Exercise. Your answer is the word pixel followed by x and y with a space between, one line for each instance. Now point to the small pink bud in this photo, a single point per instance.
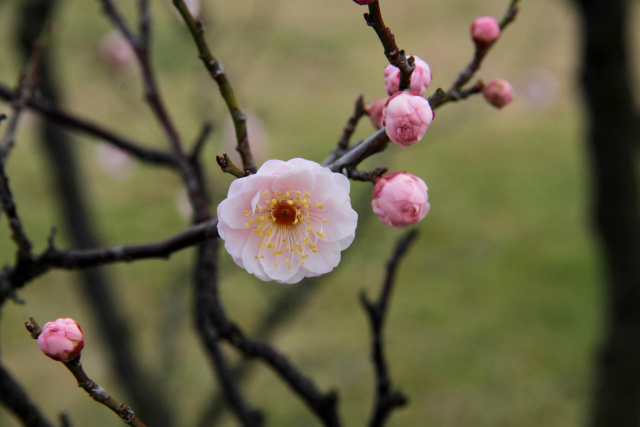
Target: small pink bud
pixel 364 1
pixel 61 340
pixel 406 117
pixel 375 112
pixel 116 51
pixel 400 199
pixel 420 77
pixel 485 30
pixel 498 92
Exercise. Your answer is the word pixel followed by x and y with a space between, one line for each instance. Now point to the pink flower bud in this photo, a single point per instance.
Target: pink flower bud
pixel 364 1
pixel 61 340
pixel 485 30
pixel 420 78
pixel 498 92
pixel 116 51
pixel 375 112
pixel 406 117
pixel 400 199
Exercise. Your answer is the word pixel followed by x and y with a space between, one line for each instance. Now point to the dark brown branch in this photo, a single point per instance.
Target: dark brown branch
pixel 64 118
pixel 323 405
pixel 14 397
pixel 24 92
pixel 141 47
pixel 347 131
pixel 375 143
pixel 440 97
pixel 371 176
pixel 205 295
pixel 395 56
pixel 27 270
pixel 227 166
pixel 387 399
pixel 74 259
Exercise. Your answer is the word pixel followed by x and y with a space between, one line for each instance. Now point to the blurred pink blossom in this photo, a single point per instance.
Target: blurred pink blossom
pixel 406 118
pixel 61 340
pixel 485 30
pixel 288 221
pixel 498 92
pixel 537 88
pixel 420 77
pixel 116 51
pixel 400 199
pixel 116 163
pixel 363 1
pixel 375 112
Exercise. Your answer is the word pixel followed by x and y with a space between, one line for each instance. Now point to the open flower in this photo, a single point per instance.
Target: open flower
pixel 400 199
pixel 288 221
pixel 61 340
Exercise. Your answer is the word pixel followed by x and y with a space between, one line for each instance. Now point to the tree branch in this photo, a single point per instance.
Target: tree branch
pixel 387 399
pixel 216 71
pixel 64 118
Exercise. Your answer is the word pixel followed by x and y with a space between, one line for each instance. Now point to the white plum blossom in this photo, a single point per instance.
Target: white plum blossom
pixel 288 221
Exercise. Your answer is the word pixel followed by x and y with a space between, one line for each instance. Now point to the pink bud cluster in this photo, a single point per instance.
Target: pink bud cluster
pixel 399 199
pixel 420 77
pixel 61 340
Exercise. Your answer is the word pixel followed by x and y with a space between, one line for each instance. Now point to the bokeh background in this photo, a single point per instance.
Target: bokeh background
pixel 497 311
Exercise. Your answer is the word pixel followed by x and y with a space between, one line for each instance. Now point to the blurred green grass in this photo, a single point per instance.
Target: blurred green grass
pixel 497 308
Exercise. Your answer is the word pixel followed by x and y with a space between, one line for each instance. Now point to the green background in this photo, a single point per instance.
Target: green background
pixel 497 311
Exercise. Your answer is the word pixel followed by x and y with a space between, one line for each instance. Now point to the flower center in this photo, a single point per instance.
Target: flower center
pixel 289 225
pixel 284 214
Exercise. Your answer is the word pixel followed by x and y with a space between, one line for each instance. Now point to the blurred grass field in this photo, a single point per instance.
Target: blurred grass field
pixel 497 310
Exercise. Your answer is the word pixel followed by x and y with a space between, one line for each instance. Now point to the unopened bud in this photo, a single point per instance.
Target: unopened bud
pixel 498 92
pixel 420 77
pixel 400 199
pixel 485 30
pixel 375 112
pixel 61 340
pixel 406 118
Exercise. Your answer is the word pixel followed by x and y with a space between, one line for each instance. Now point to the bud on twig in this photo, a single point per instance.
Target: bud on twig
pixel 61 340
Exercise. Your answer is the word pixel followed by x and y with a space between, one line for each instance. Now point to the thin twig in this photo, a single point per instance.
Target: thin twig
pixel 387 398
pixel 347 131
pixel 24 92
pixel 96 392
pixel 456 92
pixel 216 71
pixel 395 56
pixel 141 47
